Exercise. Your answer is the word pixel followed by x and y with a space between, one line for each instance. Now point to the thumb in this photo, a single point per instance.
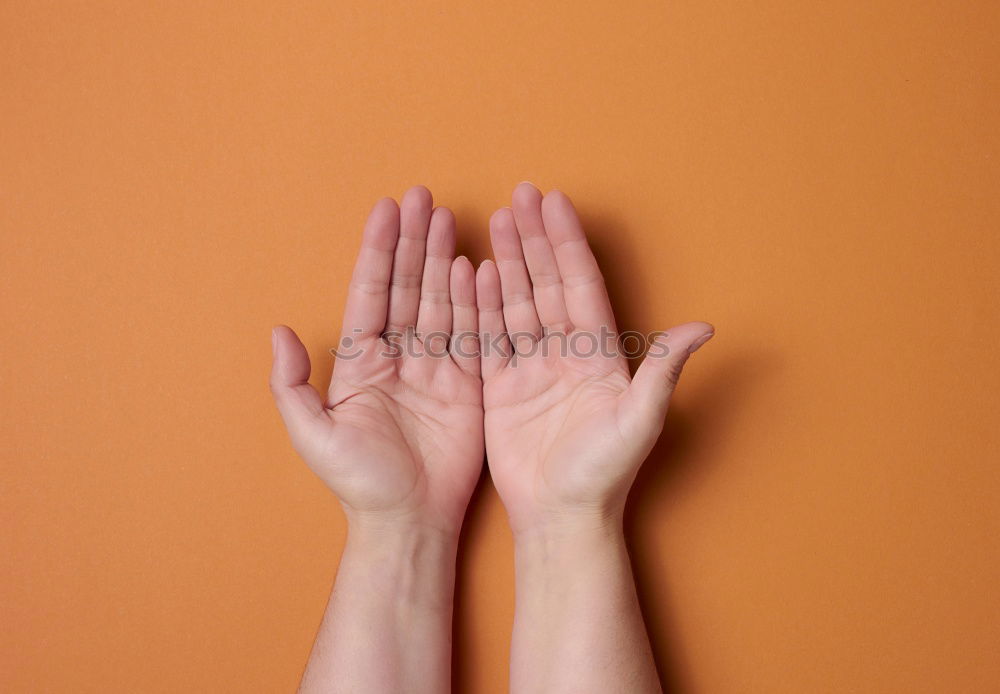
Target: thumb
pixel 298 402
pixel 644 403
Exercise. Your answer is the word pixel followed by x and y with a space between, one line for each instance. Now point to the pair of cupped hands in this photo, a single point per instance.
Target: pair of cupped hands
pixel 447 361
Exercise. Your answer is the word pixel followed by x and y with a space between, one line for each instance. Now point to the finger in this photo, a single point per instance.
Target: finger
pixel 300 405
pixel 465 316
pixel 368 294
pixel 434 317
pixel 546 282
pixel 519 312
pixel 408 263
pixel 583 285
pixel 494 344
pixel 644 404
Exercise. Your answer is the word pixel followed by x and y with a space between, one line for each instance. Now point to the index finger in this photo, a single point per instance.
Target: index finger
pixel 368 294
pixel 586 296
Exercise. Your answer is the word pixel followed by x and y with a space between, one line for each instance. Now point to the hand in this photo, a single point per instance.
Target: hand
pixel 565 433
pixel 399 437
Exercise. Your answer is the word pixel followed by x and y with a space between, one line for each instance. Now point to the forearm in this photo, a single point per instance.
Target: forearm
pixel 577 624
pixel 388 624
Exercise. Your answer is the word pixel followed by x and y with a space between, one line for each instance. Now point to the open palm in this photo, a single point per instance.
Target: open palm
pixel 566 427
pixel 401 430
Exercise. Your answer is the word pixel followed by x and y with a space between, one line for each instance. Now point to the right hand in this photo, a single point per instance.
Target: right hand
pixel 565 433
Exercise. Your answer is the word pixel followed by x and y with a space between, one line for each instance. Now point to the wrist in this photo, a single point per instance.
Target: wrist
pixel 560 558
pixel 570 528
pixel 412 564
pixel 387 525
pixel 381 529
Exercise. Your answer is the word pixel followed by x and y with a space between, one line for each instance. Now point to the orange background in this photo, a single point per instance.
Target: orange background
pixel 820 180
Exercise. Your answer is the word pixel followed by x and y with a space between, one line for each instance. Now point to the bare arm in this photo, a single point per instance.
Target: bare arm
pixel 577 611
pixel 387 627
pixel 399 440
pixel 566 431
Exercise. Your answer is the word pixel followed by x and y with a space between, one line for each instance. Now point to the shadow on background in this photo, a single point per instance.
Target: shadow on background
pixel 705 416
pixel 665 475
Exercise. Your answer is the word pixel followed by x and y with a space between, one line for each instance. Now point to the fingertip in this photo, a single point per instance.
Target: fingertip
pixel 555 198
pixel 486 268
pixel 280 333
pixel 291 359
pixel 382 226
pixel 441 233
pixel 443 215
pixel 699 332
pixel 687 337
pixel 559 212
pixel 503 235
pixel 419 195
pixel 385 205
pixel 526 190
pixel 463 281
pixel 501 218
pixel 284 332
pixel 487 279
pixel 462 274
pixel 415 212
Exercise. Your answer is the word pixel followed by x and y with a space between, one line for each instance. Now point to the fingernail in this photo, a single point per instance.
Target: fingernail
pixel 699 342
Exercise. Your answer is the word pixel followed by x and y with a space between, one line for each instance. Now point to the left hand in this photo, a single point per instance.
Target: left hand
pixel 399 437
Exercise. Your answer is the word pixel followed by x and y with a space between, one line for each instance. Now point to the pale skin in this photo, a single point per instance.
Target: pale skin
pixel 400 439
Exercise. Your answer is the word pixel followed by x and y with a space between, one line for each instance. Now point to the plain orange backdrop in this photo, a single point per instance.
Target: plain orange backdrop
pixel 818 179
